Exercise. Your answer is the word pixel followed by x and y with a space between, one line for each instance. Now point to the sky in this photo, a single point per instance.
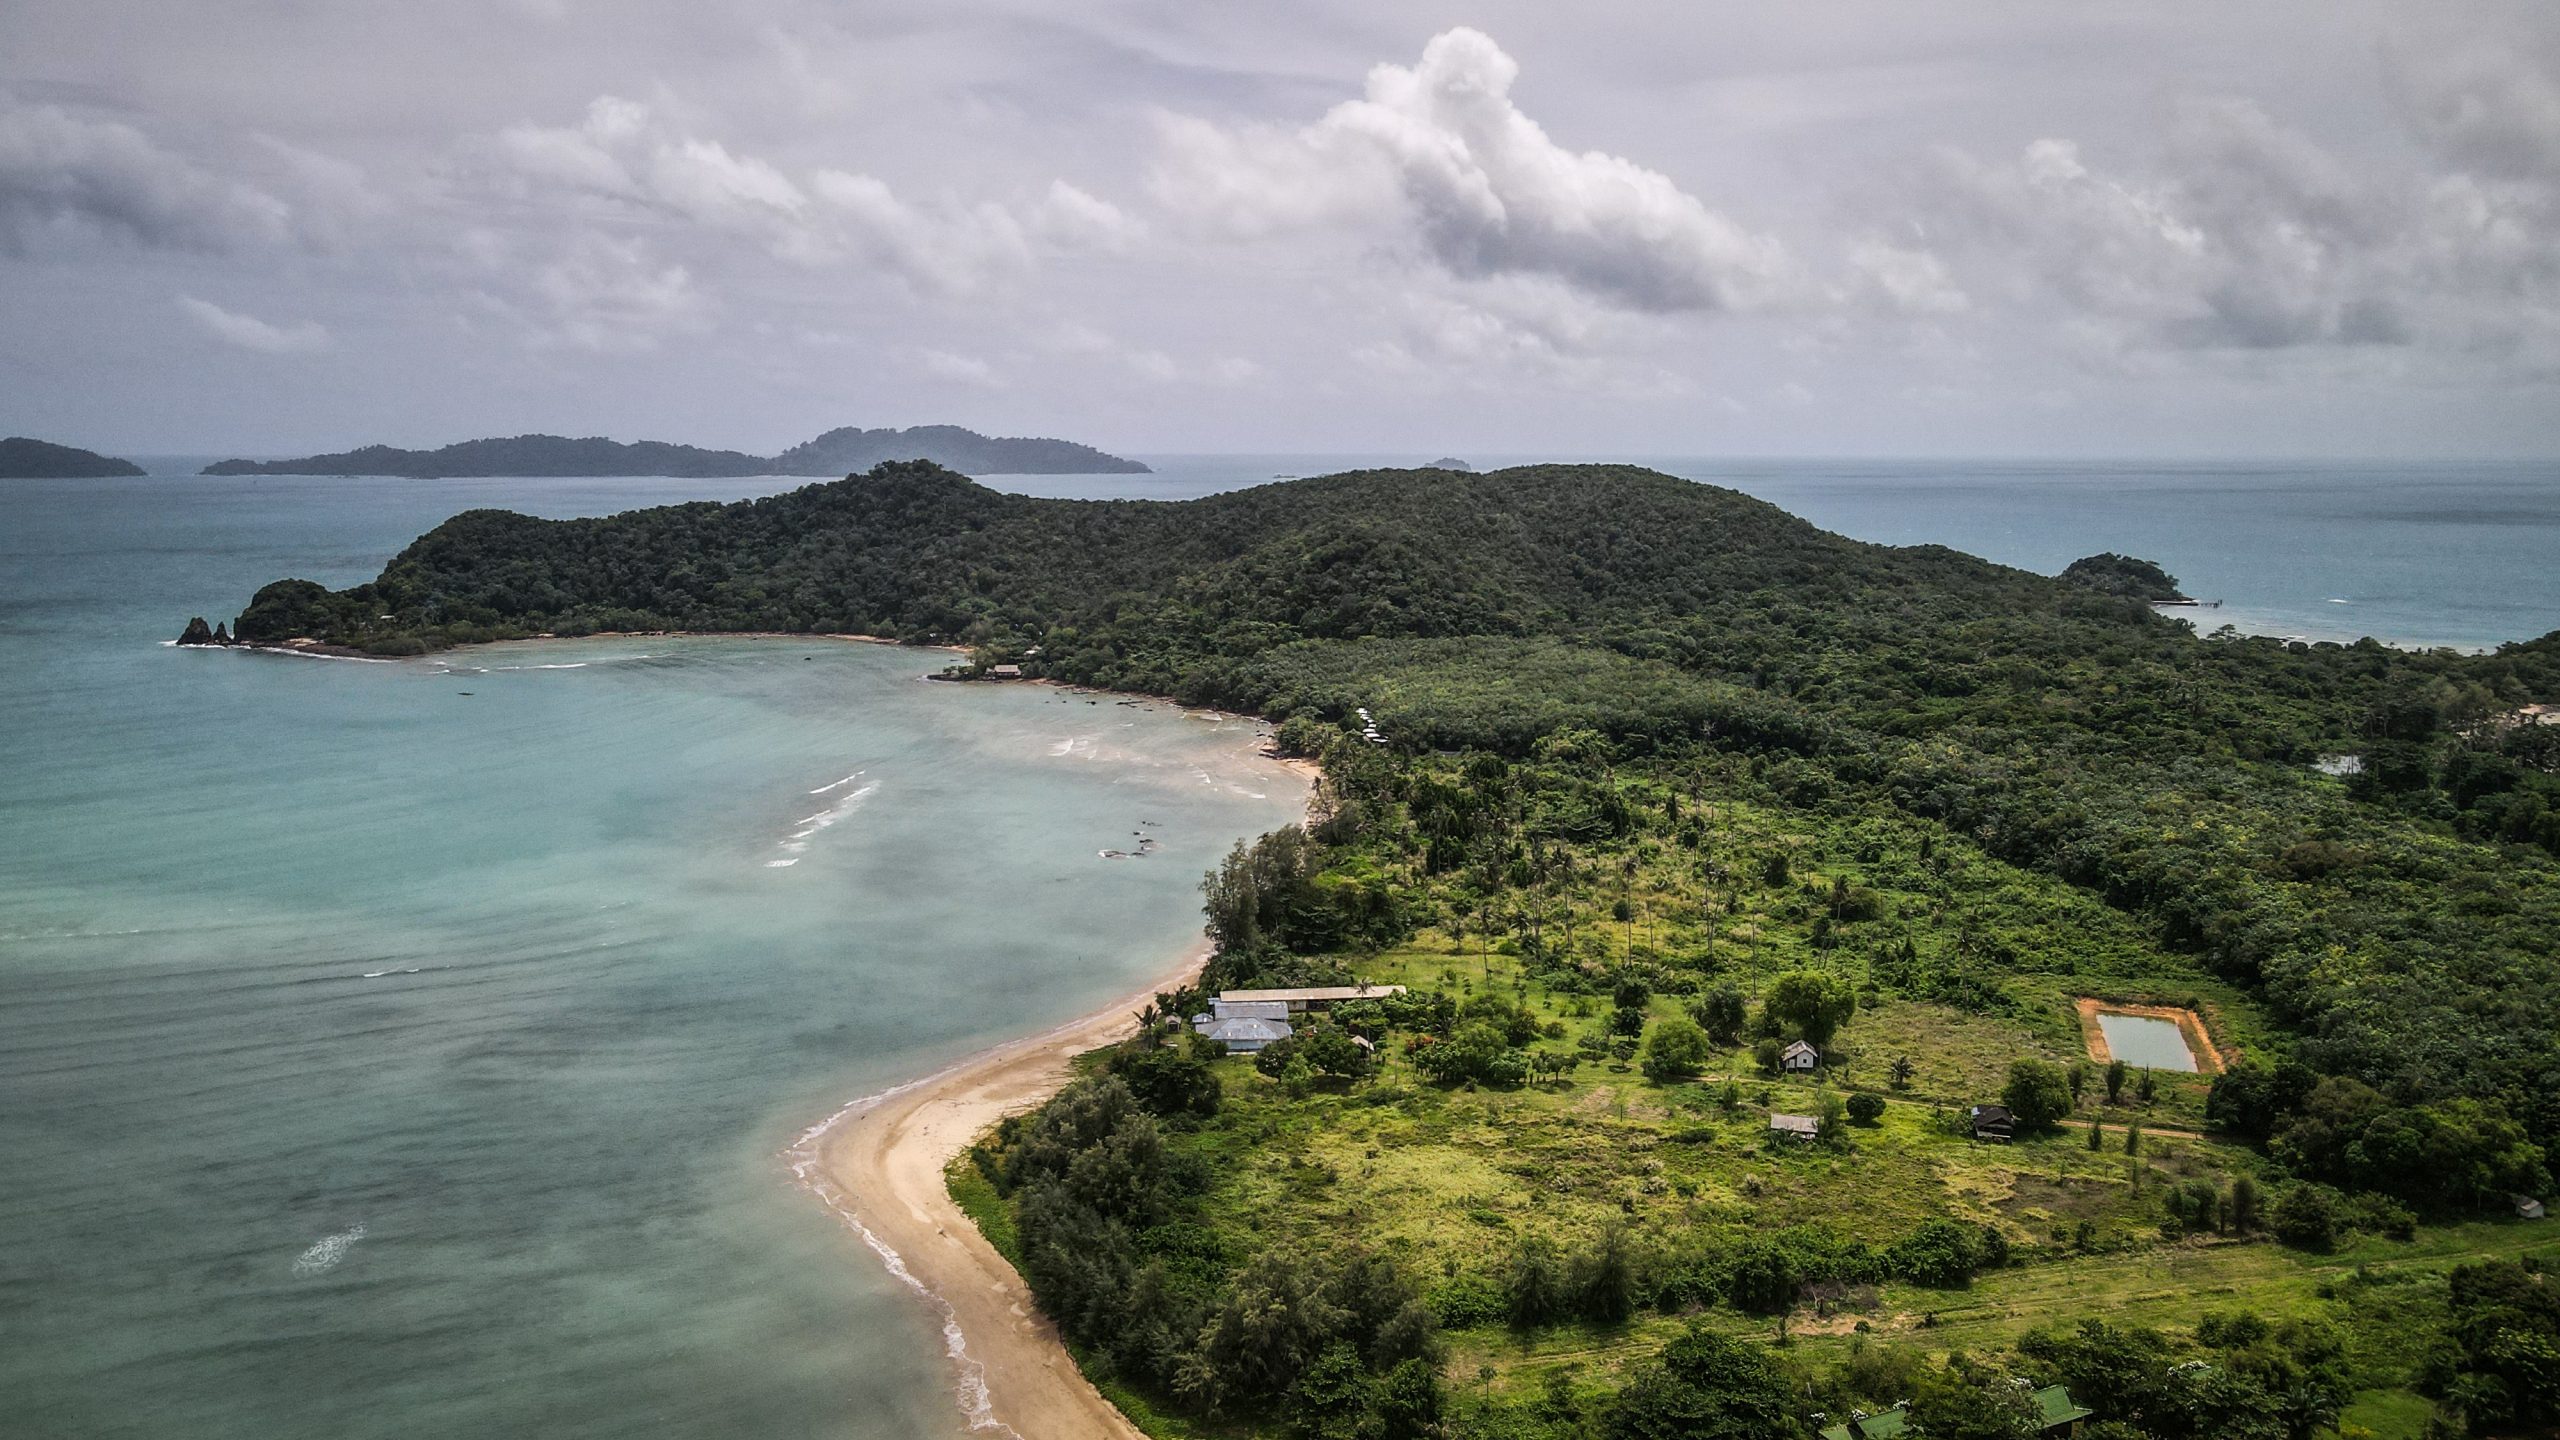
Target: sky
pixel 2164 228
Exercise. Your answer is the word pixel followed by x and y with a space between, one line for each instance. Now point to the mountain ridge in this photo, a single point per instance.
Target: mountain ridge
pixel 838 452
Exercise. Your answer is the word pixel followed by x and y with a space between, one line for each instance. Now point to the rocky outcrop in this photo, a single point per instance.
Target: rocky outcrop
pixel 196 633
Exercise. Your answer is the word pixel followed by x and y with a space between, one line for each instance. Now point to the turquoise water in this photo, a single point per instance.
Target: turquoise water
pixel 2146 1042
pixel 382 1059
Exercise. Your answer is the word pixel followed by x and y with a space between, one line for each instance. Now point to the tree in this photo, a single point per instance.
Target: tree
pixel 2242 1204
pixel 1676 1050
pixel 1705 1387
pixel 2146 1086
pixel 1866 1107
pixel 1767 1054
pixel 1533 1292
pixel 1970 1401
pixel 2037 1094
pixel 1761 1277
pixel 1720 1013
pixel 2079 1081
pixel 2116 1071
pixel 1814 1003
pixel 1335 1055
pixel 2306 1217
pixel 1901 1072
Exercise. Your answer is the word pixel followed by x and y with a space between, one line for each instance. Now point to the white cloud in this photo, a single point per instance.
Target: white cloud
pixel 1474 185
pixel 2243 235
pixel 966 369
pixel 251 333
pixel 626 153
pixel 72 179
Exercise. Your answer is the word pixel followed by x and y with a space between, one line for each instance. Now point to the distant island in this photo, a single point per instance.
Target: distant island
pixel 1450 462
pixel 836 453
pixel 25 459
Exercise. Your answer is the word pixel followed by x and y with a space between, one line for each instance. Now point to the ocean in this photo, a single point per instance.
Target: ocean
pixel 405 1049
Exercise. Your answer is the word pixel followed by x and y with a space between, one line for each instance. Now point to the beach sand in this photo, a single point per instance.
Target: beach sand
pixel 879 1165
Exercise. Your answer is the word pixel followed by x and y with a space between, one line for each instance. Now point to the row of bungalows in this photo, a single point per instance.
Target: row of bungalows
pixel 1245 1021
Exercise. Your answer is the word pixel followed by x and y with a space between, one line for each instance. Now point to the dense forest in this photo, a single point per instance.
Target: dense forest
pixel 837 452
pixel 2357 844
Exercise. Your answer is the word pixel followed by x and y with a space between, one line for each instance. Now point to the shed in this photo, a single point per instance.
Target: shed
pixel 1795 1127
pixel 2056 1410
pixel 1312 997
pixel 1005 672
pixel 1799 1057
pixel 2528 1208
pixel 1870 1425
pixel 1225 1009
pixel 1994 1123
pixel 1244 1037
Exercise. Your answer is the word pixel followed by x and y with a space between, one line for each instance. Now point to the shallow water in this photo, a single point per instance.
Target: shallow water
pixel 2146 1042
pixel 408 1049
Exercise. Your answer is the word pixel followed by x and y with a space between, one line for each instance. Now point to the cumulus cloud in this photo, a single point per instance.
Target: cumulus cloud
pixel 1476 186
pixel 68 179
pixel 625 153
pixel 251 333
pixel 2242 234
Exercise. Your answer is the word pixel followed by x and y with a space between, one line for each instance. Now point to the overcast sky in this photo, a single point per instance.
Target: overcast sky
pixel 1783 227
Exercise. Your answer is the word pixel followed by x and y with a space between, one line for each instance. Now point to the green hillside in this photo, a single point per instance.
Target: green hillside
pixel 1660 778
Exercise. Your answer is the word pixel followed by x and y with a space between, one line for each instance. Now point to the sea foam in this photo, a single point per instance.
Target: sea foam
pixel 326 1252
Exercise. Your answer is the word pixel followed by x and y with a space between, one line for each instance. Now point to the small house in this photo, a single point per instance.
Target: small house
pixel 2528 1208
pixel 1005 672
pixel 1244 1036
pixel 1794 1127
pixel 1799 1058
pixel 1994 1123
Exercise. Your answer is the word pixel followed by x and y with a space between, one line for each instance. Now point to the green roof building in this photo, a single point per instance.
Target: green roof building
pixel 2057 1413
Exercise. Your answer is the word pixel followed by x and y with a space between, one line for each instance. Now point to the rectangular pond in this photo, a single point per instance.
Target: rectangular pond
pixel 2144 1041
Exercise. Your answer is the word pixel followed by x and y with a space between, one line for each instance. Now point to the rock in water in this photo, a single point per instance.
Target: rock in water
pixel 196 633
pixel 222 634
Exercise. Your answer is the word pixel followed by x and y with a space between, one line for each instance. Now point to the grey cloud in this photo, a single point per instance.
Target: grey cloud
pixel 248 332
pixel 68 178
pixel 2244 234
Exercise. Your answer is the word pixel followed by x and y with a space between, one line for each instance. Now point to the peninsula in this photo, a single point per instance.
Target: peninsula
pixel 837 452
pixel 1741 901
pixel 25 459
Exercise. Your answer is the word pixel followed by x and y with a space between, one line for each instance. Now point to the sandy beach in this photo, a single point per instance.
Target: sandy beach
pixel 879 1165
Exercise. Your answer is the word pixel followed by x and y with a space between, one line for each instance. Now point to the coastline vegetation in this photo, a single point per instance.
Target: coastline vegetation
pixel 1662 779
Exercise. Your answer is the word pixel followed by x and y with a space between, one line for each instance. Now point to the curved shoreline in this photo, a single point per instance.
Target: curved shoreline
pixel 878 1164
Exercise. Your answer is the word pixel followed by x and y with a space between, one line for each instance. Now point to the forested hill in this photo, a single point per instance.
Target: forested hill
pixel 2402 922
pixel 838 452
pixel 851 450
pixel 25 459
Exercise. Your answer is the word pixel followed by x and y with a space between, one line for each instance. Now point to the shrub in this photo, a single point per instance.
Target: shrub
pixel 1676 1050
pixel 1866 1109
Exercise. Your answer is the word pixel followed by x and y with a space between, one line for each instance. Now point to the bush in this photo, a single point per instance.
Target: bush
pixel 1866 1109
pixel 1676 1050
pixel 2306 1217
pixel 2038 1094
